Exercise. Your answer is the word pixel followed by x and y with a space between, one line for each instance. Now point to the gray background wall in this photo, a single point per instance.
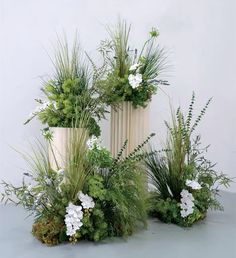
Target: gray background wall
pixel 200 36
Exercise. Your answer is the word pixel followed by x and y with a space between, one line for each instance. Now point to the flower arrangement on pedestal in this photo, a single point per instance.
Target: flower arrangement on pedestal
pixel 93 194
pixel 184 183
pixel 131 76
pixel 93 197
pixel 69 92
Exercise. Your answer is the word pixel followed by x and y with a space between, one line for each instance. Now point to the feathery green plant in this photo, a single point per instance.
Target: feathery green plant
pixel 125 182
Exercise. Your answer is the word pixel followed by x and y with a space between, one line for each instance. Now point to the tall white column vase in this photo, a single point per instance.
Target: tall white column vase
pixel 128 123
pixel 61 144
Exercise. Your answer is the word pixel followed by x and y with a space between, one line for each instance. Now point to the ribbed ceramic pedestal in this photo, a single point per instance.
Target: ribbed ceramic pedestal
pixel 128 123
pixel 61 144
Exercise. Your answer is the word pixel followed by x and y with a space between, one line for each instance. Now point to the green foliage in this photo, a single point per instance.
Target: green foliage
pixel 166 210
pixel 183 159
pixel 126 198
pixel 123 62
pixel 120 188
pixel 116 186
pixel 95 226
pixel 69 93
pixel 100 157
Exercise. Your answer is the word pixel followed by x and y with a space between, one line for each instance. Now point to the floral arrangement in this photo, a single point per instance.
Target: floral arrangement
pixel 184 183
pixel 69 92
pixel 131 76
pixel 93 197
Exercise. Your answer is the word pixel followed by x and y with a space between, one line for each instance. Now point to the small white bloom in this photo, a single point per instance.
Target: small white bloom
pixel 86 201
pixel 193 184
pixel 38 198
pixel 135 80
pixel 134 67
pixel 44 105
pixel 187 199
pixel 186 194
pixel 93 142
pixel 184 213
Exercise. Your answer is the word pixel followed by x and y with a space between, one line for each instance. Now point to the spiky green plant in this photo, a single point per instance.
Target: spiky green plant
pixel 77 168
pixel 151 62
pixel 183 159
pixel 116 185
pixel 125 183
pixel 46 179
pixel 69 91
pixel 126 192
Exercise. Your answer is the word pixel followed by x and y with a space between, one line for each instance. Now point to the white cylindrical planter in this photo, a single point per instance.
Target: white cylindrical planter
pixel 61 143
pixel 128 123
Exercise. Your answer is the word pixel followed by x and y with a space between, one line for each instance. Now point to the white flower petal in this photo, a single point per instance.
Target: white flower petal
pixel 93 142
pixel 134 67
pixel 86 201
pixel 193 184
pixel 73 219
pixel 135 80
pixel 187 203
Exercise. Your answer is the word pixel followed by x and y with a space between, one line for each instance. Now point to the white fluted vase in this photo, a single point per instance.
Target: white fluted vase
pixel 128 123
pixel 62 142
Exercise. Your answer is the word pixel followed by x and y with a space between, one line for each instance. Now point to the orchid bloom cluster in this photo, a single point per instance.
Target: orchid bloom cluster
pixel 187 203
pixel 187 199
pixel 135 78
pixel 93 142
pixel 73 219
pixel 86 201
pixel 74 213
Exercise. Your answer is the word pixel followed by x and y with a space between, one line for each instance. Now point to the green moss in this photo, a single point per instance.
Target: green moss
pixel 49 230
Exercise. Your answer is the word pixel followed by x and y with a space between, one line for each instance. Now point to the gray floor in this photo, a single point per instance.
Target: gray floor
pixel 213 237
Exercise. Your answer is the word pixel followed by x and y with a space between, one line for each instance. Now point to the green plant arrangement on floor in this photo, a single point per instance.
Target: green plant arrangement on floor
pixel 93 197
pixel 131 75
pixel 69 91
pixel 184 182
